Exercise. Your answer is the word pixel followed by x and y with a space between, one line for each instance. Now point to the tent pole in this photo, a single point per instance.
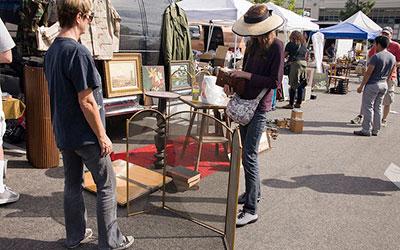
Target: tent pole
pixel 210 32
pixel 234 53
pixel 366 52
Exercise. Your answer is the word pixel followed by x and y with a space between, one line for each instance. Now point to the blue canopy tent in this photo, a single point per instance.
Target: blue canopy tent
pixel 346 31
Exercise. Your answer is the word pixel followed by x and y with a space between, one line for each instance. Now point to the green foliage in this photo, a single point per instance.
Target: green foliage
pixel 353 6
pixel 288 4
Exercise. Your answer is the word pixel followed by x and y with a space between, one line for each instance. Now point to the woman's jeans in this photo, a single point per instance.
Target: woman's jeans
pixel 251 135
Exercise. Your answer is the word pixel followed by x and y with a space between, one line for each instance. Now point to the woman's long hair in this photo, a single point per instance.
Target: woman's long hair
pixel 297 37
pixel 254 43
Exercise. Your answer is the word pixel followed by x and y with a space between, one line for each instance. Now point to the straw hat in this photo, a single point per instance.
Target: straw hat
pixel 256 26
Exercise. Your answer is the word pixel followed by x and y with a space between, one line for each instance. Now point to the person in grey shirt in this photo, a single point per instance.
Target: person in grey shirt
pixel 375 86
pixel 6 44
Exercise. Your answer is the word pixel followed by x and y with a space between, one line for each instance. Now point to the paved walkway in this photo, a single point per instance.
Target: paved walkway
pixel 323 189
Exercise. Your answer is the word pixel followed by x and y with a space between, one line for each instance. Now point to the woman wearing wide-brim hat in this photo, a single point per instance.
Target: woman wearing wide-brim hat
pixel 262 69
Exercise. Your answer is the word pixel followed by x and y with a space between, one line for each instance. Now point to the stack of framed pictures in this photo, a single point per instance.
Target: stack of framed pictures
pixel 124 75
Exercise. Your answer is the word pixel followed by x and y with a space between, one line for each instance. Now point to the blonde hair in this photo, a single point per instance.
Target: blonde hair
pixel 68 10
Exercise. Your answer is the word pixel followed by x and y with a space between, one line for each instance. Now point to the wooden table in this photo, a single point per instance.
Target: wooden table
pixel 163 97
pixel 203 135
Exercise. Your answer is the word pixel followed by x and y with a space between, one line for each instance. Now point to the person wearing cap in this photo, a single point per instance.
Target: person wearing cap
pixel 388 99
pixel 262 69
pixel 7 195
pixel 374 87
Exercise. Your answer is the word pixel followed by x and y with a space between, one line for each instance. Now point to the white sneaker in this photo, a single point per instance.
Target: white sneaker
pixel 245 218
pixel 127 243
pixel 384 123
pixel 8 196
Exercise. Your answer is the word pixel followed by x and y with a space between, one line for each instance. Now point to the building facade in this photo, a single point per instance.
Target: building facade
pixel 327 12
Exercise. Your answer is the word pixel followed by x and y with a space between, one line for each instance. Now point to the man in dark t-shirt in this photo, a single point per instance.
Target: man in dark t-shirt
pixel 78 119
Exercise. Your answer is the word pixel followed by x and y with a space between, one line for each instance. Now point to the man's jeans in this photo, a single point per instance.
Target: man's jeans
pixel 371 107
pixel 109 235
pixel 251 135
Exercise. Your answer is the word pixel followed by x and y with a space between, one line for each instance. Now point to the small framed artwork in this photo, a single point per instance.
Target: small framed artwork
pixel 181 75
pixel 123 74
pixel 153 78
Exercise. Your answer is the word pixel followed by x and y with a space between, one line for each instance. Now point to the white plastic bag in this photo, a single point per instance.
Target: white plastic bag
pixel 211 93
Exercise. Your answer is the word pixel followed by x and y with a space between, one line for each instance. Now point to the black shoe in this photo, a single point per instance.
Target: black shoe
pixel 360 133
pixel 128 241
pixel 289 106
pixel 242 199
pixel 86 239
pixel 374 133
pixel 297 105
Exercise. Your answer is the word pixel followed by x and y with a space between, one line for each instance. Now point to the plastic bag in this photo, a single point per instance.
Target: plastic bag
pixel 211 93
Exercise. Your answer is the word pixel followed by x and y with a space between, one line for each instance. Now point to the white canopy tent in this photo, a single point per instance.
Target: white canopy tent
pixel 214 9
pixel 365 23
pixel 293 21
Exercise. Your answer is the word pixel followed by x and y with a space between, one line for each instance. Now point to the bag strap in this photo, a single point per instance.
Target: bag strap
pixel 262 94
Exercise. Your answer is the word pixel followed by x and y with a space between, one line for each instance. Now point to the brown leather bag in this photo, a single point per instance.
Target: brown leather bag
pixel 238 84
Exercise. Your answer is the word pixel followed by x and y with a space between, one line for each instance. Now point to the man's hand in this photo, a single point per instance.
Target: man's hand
pixel 105 145
pixel 360 89
pixel 241 74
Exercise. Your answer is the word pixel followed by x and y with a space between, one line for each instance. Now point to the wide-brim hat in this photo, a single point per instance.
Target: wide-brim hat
pixel 257 26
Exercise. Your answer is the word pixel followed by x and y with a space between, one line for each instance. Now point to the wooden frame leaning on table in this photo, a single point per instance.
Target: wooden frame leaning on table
pixel 181 75
pixel 123 75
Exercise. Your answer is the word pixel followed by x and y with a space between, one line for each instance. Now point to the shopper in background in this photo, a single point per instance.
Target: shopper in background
pixel 331 52
pixel 78 118
pixel 296 52
pixel 6 44
pixel 374 84
pixel 388 99
pixel 263 69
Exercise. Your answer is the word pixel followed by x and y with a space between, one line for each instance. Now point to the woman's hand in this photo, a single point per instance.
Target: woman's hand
pixel 240 74
pixel 228 90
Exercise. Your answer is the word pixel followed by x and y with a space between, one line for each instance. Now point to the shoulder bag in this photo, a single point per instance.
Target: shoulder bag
pixel 242 111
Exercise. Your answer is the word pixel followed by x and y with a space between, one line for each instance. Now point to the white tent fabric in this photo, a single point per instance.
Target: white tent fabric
pixel 293 20
pixel 318 45
pixel 206 10
pixel 364 22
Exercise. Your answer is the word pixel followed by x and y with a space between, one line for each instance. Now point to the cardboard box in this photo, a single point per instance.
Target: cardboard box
pixel 296 126
pixel 297 114
pixel 220 55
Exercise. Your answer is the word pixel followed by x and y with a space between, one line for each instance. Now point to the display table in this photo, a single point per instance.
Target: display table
pixel 13 108
pixel 159 139
pixel 203 136
pixel 141 181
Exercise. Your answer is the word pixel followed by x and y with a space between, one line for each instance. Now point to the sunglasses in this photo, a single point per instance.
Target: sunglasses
pixel 89 16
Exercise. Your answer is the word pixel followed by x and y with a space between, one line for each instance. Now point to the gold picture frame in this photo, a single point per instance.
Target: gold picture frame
pixel 181 75
pixel 123 75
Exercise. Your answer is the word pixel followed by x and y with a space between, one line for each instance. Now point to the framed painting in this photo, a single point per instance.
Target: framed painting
pixel 123 74
pixel 181 75
pixel 153 78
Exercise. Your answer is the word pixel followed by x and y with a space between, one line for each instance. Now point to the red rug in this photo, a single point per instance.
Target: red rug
pixel 210 161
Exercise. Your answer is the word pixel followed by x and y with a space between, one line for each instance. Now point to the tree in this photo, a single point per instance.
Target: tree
pixel 353 6
pixel 288 4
